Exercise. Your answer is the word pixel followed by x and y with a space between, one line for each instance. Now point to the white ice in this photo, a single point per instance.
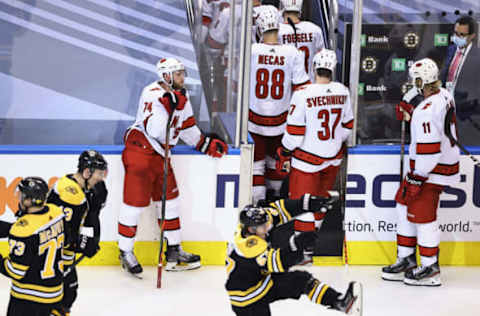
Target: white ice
pixel 109 291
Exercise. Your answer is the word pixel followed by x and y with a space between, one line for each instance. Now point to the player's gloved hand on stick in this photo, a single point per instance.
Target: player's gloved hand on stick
pixel 302 241
pixel 410 188
pixel 87 243
pixel 212 145
pixel 283 159
pixel 322 204
pixel 404 111
pixel 175 99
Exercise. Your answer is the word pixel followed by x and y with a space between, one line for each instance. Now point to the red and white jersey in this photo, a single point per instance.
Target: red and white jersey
pixel 320 119
pixel 152 118
pixel 431 153
pixel 309 41
pixel 211 11
pixel 275 71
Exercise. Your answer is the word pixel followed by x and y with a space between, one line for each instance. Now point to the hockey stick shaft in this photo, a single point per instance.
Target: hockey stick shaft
pixel 448 121
pixel 343 193
pixel 164 201
pixel 402 148
pixel 289 20
pixel 77 261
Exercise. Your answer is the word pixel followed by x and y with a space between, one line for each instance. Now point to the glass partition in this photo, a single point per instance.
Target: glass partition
pixel 394 35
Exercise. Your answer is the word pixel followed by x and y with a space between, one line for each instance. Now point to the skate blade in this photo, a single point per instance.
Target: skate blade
pixel 135 275
pixel 393 276
pixel 175 267
pixel 356 309
pixel 435 281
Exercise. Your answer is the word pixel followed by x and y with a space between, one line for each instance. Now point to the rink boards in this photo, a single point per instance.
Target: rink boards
pixel 209 191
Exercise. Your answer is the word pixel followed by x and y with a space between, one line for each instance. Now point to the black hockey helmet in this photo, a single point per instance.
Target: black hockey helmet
pixel 253 216
pixel 34 188
pixel 91 159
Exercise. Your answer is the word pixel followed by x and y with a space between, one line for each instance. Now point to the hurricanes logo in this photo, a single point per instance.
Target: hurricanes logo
pixel 411 40
pixel 369 64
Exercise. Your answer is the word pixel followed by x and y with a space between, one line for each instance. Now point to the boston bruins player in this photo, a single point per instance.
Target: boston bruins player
pixel 258 273
pixel 36 242
pixel 81 196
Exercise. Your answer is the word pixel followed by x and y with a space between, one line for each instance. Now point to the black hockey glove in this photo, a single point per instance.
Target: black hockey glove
pixel 174 100
pixel 87 243
pixel 302 241
pixel 312 203
pixel 5 229
pixel 97 197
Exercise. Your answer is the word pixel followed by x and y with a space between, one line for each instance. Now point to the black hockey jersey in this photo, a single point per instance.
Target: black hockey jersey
pixel 69 195
pixel 251 259
pixel 35 263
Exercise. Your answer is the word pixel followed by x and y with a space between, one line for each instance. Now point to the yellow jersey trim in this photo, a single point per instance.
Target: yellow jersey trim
pixel 28 224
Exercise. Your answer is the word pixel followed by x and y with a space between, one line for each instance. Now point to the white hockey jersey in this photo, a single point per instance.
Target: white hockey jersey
pixel 320 119
pixel 211 10
pixel 431 153
pixel 275 71
pixel 309 41
pixel 152 118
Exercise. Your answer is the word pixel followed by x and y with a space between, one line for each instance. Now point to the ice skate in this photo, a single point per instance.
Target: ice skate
pixel 179 260
pixel 130 263
pixel 396 271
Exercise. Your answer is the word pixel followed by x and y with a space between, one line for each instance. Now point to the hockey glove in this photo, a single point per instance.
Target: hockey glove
pixel 302 241
pixel 410 188
pixel 87 243
pixel 97 197
pixel 321 204
pixel 404 111
pixel 174 100
pixel 212 145
pixel 283 159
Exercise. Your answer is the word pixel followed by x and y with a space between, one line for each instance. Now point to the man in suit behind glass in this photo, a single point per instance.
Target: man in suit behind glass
pixel 460 73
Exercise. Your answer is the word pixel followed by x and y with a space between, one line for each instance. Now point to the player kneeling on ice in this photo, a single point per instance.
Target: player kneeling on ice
pixel 434 164
pixel 162 101
pixel 258 273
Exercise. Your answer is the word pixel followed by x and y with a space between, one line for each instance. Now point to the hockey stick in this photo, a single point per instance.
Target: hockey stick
pixel 448 132
pixel 343 203
pixel 294 30
pixel 77 261
pixel 164 200
pixel 402 148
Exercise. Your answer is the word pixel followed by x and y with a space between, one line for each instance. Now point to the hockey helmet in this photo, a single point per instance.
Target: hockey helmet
pixel 91 159
pixel 267 19
pixel 291 5
pixel 326 59
pixel 426 70
pixel 253 216
pixel 167 66
pixel 34 188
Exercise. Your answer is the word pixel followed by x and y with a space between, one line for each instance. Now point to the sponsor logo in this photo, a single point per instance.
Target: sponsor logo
pixel 369 64
pixel 377 39
pixel 369 88
pixel 361 88
pixel 411 40
pixel 399 64
pixel 440 39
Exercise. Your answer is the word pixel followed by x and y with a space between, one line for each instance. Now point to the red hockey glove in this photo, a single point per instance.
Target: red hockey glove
pixel 212 145
pixel 174 100
pixel 283 158
pixel 410 188
pixel 404 111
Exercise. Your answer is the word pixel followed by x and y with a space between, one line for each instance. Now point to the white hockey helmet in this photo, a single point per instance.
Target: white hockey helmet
pixel 292 5
pixel 267 19
pixel 167 66
pixel 424 69
pixel 326 58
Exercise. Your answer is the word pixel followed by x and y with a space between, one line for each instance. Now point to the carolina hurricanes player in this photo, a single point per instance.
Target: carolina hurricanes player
pixel 276 70
pixel 211 10
pixel 143 162
pixel 434 164
pixel 309 38
pixel 319 121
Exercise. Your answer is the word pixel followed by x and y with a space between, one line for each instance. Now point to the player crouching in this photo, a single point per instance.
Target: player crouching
pixel 258 273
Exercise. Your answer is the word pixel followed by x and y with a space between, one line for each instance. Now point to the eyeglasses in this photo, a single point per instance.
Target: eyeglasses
pixel 461 34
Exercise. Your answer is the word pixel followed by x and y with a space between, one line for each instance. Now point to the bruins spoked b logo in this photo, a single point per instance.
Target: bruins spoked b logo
pixel 411 40
pixel 369 64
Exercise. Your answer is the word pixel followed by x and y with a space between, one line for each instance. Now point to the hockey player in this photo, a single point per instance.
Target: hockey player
pixel 36 243
pixel 258 274
pixel 319 121
pixel 81 196
pixel 143 162
pixel 434 163
pixel 276 70
pixel 4 229
pixel 309 36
